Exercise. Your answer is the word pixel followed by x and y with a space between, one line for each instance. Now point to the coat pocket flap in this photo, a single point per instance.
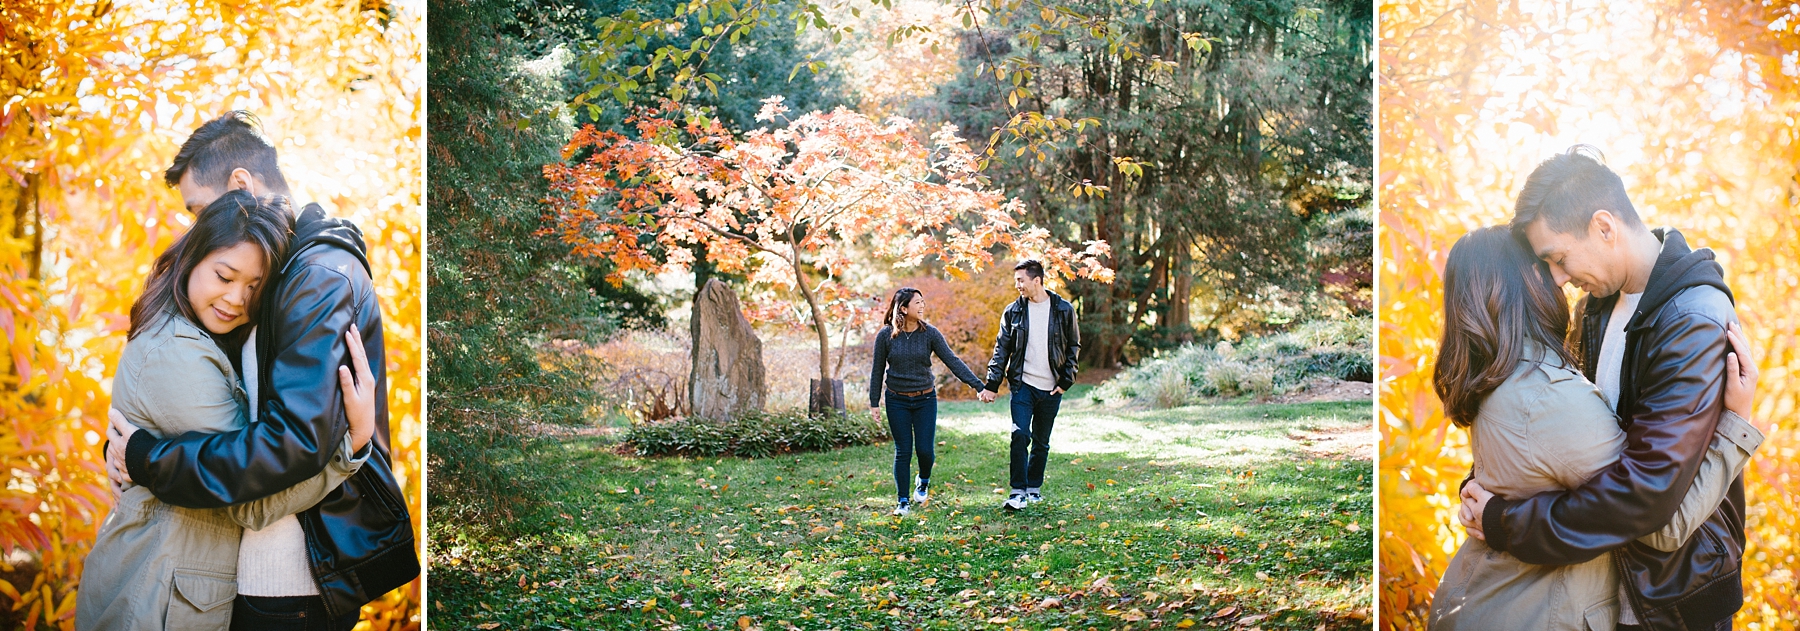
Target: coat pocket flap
pixel 205 591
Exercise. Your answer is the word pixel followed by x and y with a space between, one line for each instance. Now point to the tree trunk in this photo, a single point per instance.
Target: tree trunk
pixel 1177 315
pixel 824 395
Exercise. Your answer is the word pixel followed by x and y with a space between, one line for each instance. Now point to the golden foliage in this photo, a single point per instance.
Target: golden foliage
pixel 95 97
pixel 1694 104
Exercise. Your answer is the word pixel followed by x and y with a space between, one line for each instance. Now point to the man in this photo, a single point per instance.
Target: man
pixel 1652 334
pixel 1035 352
pixel 325 563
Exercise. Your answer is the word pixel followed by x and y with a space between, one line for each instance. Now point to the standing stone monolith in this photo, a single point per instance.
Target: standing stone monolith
pixel 727 378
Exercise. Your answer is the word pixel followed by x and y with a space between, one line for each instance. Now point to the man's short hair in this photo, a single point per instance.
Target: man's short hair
pixel 1032 267
pixel 221 145
pixel 1566 189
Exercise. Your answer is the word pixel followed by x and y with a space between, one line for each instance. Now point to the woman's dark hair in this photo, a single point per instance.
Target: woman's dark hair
pixel 236 217
pixel 902 297
pixel 1497 297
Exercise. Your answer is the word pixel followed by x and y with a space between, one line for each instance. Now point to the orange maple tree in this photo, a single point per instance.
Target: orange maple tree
pixel 95 98
pixel 1694 104
pixel 798 208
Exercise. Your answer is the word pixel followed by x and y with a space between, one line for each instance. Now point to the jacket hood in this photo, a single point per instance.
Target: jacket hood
pixel 1678 268
pixel 313 228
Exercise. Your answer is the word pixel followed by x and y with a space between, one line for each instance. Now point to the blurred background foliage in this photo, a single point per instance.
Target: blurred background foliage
pixel 1694 103
pixel 95 98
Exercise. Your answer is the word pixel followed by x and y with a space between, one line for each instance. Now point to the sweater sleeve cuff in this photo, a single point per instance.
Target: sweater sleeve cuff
pixel 137 455
pixel 1493 523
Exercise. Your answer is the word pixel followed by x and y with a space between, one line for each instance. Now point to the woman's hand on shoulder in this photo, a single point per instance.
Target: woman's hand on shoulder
pixel 359 391
pixel 1740 372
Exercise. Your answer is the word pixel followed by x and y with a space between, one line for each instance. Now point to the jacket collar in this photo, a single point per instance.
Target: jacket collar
pixel 1056 302
pixel 313 227
pixel 1678 267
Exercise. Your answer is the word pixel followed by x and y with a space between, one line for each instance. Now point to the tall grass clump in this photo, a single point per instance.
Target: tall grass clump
pixel 757 435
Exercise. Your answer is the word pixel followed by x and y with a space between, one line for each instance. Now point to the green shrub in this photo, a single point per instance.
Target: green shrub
pixel 754 435
pixel 1261 366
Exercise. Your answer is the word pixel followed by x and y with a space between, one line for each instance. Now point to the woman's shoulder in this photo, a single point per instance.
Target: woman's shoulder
pixel 1549 388
pixel 171 338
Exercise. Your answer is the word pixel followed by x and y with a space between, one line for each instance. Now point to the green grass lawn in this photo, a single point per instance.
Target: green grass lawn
pixel 1224 515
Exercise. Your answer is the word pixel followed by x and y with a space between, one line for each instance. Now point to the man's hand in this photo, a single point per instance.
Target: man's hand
pixel 1740 372
pixel 118 432
pixel 986 396
pixel 1056 392
pixel 1474 501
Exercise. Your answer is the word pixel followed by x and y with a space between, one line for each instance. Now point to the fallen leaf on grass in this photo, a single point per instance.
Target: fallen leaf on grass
pixel 1249 619
pixel 1185 623
pixel 488 625
pixel 1223 612
pixel 929 581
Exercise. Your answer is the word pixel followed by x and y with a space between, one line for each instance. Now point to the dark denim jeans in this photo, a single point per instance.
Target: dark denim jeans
pixel 913 422
pixel 1034 415
pixel 287 613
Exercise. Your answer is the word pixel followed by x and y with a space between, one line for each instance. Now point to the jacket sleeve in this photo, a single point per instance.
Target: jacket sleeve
pixel 1671 425
pixel 1732 445
pixel 259 514
pixel 301 420
pixel 879 371
pixel 1071 359
pixel 945 354
pixel 1003 346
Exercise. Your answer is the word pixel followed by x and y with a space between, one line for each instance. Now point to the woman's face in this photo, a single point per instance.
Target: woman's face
pixel 223 284
pixel 916 308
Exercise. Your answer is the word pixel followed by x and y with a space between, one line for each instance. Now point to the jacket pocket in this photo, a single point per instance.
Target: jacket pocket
pixel 1602 617
pixel 200 600
pixel 375 487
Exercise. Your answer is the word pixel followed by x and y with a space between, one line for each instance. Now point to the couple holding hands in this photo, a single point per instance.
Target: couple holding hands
pixel 1034 353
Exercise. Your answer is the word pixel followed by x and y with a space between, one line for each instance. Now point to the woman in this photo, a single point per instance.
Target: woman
pixel 903 351
pixel 157 566
pixel 1537 425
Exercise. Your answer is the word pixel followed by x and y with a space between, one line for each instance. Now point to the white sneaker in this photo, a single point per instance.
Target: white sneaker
pixel 1016 501
pixel 902 509
pixel 923 494
pixel 1033 498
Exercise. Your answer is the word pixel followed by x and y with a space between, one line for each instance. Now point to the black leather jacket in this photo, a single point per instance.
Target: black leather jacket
pixel 1009 345
pixel 1671 393
pixel 359 539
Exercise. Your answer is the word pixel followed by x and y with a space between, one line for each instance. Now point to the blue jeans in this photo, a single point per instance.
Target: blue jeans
pixel 1034 415
pixel 287 613
pixel 913 421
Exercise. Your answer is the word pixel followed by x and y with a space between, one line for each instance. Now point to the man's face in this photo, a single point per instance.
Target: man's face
pixel 1589 262
pixel 1026 285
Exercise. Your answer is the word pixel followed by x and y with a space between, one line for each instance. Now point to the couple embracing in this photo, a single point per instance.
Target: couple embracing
pixel 1034 353
pixel 248 446
pixel 1608 445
